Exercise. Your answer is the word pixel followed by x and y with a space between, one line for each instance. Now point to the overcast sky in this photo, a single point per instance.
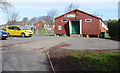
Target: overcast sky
pixel 30 8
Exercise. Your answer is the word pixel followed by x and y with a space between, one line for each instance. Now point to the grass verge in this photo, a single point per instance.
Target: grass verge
pixel 85 60
pixel 44 34
pixel 94 60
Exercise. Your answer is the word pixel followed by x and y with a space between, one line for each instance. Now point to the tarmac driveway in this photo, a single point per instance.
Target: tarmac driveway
pixel 24 61
pixel 92 43
pixel 26 54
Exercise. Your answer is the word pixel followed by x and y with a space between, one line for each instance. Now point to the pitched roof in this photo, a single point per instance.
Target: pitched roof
pixel 105 22
pixel 79 11
pixel 14 23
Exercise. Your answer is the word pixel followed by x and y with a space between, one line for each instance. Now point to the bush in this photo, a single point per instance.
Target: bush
pixel 113 28
pixel 42 29
pixel 119 28
pixel 32 28
pixel 3 29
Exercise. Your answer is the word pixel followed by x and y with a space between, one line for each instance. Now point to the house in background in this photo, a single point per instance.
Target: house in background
pixel 27 24
pixel 49 27
pixel 39 25
pixel 77 22
pixel 19 23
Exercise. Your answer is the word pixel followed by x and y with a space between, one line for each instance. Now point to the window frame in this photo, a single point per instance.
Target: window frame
pixel 16 28
pixel 88 19
pixel 11 28
pixel 64 19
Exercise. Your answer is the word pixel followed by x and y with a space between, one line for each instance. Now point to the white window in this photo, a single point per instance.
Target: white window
pixel 59 27
pixel 64 20
pixel 88 20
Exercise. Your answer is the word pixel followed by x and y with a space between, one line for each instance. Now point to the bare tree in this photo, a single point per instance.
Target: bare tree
pixel 13 17
pixel 4 5
pixel 9 10
pixel 50 17
pixel 71 6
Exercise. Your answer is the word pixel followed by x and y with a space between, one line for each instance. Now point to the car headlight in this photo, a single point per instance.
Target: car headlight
pixel 26 31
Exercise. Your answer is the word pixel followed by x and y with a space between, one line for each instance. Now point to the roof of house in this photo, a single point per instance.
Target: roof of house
pixel 105 22
pixel 79 11
pixel 39 21
pixel 14 23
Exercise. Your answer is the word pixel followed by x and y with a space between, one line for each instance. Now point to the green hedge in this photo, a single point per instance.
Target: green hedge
pixel 3 29
pixel 42 29
pixel 114 29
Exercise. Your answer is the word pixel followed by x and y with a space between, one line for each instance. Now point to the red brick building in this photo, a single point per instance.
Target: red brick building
pixel 79 22
pixel 39 25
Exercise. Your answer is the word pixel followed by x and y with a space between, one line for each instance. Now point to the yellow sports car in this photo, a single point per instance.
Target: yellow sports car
pixel 15 30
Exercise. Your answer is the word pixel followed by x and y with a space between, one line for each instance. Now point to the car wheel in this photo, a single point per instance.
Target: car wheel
pixel 3 38
pixel 23 35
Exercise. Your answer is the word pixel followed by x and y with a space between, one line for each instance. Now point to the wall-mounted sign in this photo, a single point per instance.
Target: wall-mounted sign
pixel 59 28
pixel 70 15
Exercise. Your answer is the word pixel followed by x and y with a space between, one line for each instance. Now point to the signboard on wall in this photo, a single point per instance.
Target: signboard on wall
pixel 59 28
pixel 70 15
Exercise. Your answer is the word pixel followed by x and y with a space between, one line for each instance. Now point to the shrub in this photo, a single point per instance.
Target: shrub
pixel 113 28
pixel 3 29
pixel 32 28
pixel 42 29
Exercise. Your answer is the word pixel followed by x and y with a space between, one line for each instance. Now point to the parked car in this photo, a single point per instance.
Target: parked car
pixel 3 34
pixel 15 30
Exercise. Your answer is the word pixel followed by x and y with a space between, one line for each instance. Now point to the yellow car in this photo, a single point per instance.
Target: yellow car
pixel 15 30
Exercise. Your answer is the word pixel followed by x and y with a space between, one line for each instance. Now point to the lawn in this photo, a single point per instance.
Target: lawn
pixel 95 60
pixel 44 34
pixel 85 60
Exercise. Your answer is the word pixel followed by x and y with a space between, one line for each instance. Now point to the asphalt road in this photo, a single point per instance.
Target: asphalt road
pixel 18 40
pixel 92 43
pixel 25 54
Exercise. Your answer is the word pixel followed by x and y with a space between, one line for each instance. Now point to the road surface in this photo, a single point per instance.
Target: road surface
pixel 26 54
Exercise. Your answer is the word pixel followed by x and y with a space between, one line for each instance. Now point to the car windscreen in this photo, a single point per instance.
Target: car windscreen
pixel 23 28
